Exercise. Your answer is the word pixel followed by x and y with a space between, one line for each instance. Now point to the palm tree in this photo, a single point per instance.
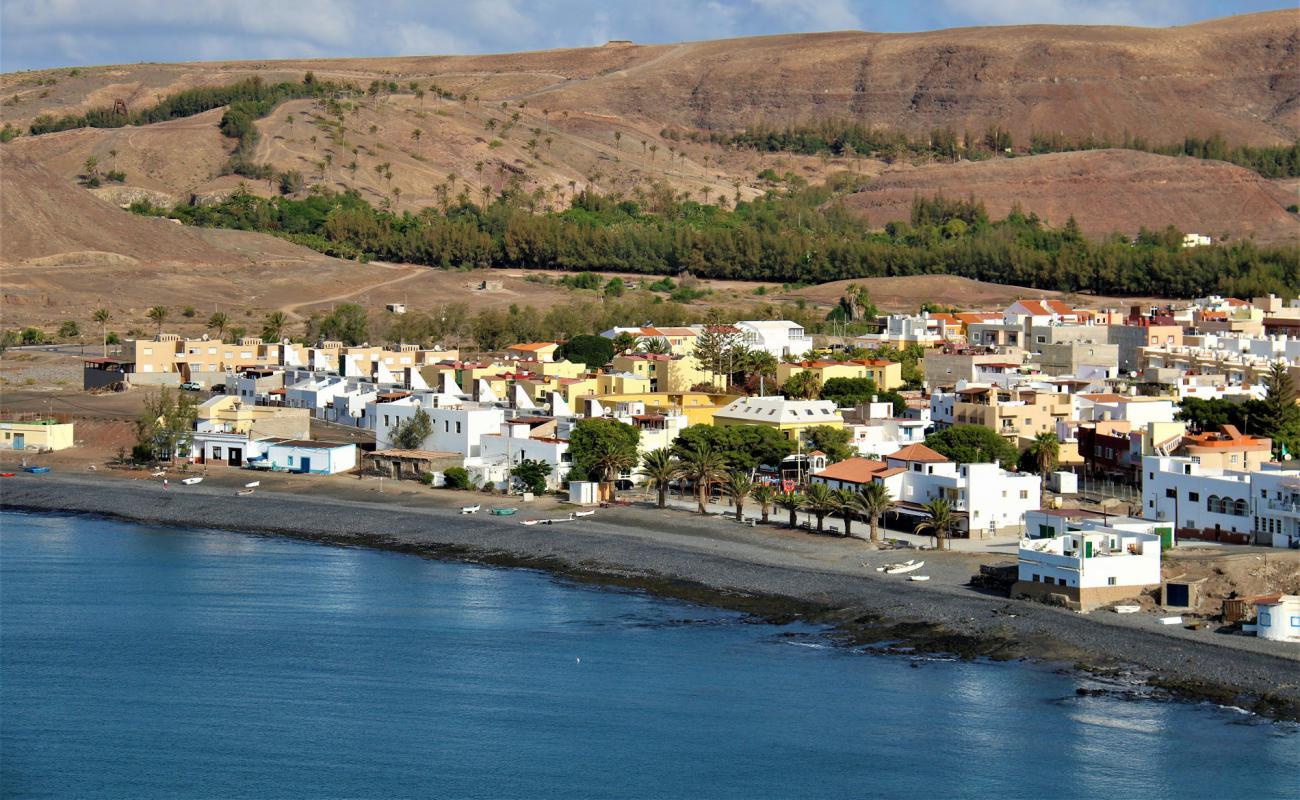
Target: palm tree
pixel 874 500
pixel 844 500
pixel 704 467
pixel 1046 452
pixel 274 326
pixel 612 461
pixel 738 485
pixel 939 521
pixel 819 500
pixel 102 316
pixel 158 315
pixel 219 321
pixel 765 496
pixel 792 502
pixel 660 468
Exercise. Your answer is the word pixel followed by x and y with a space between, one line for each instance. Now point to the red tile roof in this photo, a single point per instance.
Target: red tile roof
pixel 852 470
pixel 919 452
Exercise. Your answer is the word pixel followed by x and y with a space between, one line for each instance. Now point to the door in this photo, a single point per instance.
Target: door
pixel 20 441
pixel 305 466
pixel 235 457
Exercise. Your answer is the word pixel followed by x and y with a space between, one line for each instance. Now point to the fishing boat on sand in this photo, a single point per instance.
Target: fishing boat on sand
pixel 902 569
pixel 502 512
pixel 474 509
pixel 36 470
pixel 191 481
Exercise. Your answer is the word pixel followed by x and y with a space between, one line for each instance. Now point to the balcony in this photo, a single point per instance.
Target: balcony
pixel 1287 506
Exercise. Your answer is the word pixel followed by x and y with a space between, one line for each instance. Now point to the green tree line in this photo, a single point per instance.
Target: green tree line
pixel 797 234
pixel 848 137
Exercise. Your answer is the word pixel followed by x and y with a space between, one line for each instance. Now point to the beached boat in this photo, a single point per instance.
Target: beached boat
pixel 474 509
pixel 918 578
pixel 7 474
pixel 191 481
pixel 902 569
pixel 160 473
pixel 528 521
pixel 583 513
pixel 502 512
pixel 888 567
pixel 243 492
pixel 1127 609
pixel 36 470
pixel 252 485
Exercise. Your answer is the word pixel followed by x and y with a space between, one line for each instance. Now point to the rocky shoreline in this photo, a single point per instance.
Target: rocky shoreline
pixel 698 560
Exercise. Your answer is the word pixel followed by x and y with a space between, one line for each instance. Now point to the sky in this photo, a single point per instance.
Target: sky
pixel 36 34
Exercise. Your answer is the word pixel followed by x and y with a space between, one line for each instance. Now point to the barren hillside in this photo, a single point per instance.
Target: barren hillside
pixel 1104 190
pixel 562 120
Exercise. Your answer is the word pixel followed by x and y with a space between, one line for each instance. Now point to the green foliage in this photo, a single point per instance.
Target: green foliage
pixel 8 339
pixel 347 323
pixel 165 427
pixel 410 434
pixel 973 444
pixel 594 437
pixel 743 447
pixel 8 133
pixel 69 329
pixel 801 234
pixel 850 392
pixel 32 335
pixel 802 385
pixel 594 351
pixel 583 280
pixel 831 440
pixel 615 287
pixel 532 473
pixel 456 478
pixel 1278 416
pixel 849 137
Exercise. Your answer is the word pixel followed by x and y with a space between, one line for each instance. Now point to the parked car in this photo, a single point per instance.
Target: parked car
pixel 218 388
pixel 192 386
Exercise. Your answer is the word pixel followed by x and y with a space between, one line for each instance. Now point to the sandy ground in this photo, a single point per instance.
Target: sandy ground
pixel 769 570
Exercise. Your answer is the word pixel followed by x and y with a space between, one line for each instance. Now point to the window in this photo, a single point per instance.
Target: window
pixel 216 452
pixel 1232 459
pixel 1061 581
pixel 1171 493
pixel 1194 497
pixel 1295 622
pixel 1265 619
pixel 457 427
pixel 1024 494
pixel 1110 581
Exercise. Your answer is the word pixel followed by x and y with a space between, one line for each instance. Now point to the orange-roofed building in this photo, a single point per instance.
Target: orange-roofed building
pixel 851 473
pixel 539 351
pixel 1227 448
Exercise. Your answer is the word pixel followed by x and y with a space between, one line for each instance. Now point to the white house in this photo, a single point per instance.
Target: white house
pixel 1277 617
pixel 1275 493
pixel 780 337
pixel 501 451
pixel 984 497
pixel 458 426
pixel 1212 502
pixel 1093 565
pixel 314 393
pixel 308 457
pixel 878 437
pixel 232 449
pixel 901 330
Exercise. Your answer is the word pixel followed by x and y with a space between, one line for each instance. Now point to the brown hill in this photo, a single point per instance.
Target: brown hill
pixel 1104 190
pixel 593 116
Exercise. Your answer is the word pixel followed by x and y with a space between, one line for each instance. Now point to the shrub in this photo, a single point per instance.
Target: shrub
pixel 456 478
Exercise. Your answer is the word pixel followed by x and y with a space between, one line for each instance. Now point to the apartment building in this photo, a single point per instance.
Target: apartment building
pixel 782 338
pixel 984 497
pixel 790 417
pixel 1014 413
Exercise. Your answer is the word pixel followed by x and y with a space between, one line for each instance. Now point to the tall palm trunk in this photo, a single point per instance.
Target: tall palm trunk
pixel 875 527
pixel 702 492
pixel 794 518
pixel 663 495
pixel 821 522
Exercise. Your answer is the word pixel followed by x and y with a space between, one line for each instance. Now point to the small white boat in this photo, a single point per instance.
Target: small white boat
pixel 901 569
pixel 1170 620
pixel 583 513
pixel 243 492
pixel 252 485
pixel 474 509
pixel 191 481
pixel 528 521
pixel 1127 609
pixel 157 474
pixel 918 577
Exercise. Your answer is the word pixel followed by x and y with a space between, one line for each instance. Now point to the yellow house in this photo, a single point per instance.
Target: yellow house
pixel 228 414
pixel 666 373
pixel 540 351
pixel 38 434
pixel 557 369
pixel 791 417
pixel 698 407
pixel 621 383
pixel 887 375
pixel 681 341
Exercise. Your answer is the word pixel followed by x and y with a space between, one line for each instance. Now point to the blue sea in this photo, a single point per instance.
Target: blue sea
pixel 143 662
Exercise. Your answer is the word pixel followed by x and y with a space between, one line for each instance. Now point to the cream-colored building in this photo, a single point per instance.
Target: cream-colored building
pixel 666 373
pixel 38 434
pixel 1014 413
pixel 887 375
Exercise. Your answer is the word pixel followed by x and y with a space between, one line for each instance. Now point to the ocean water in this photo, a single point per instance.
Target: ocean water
pixel 140 662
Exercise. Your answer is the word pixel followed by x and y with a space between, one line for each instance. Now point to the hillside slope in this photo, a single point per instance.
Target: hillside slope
pixel 1104 190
